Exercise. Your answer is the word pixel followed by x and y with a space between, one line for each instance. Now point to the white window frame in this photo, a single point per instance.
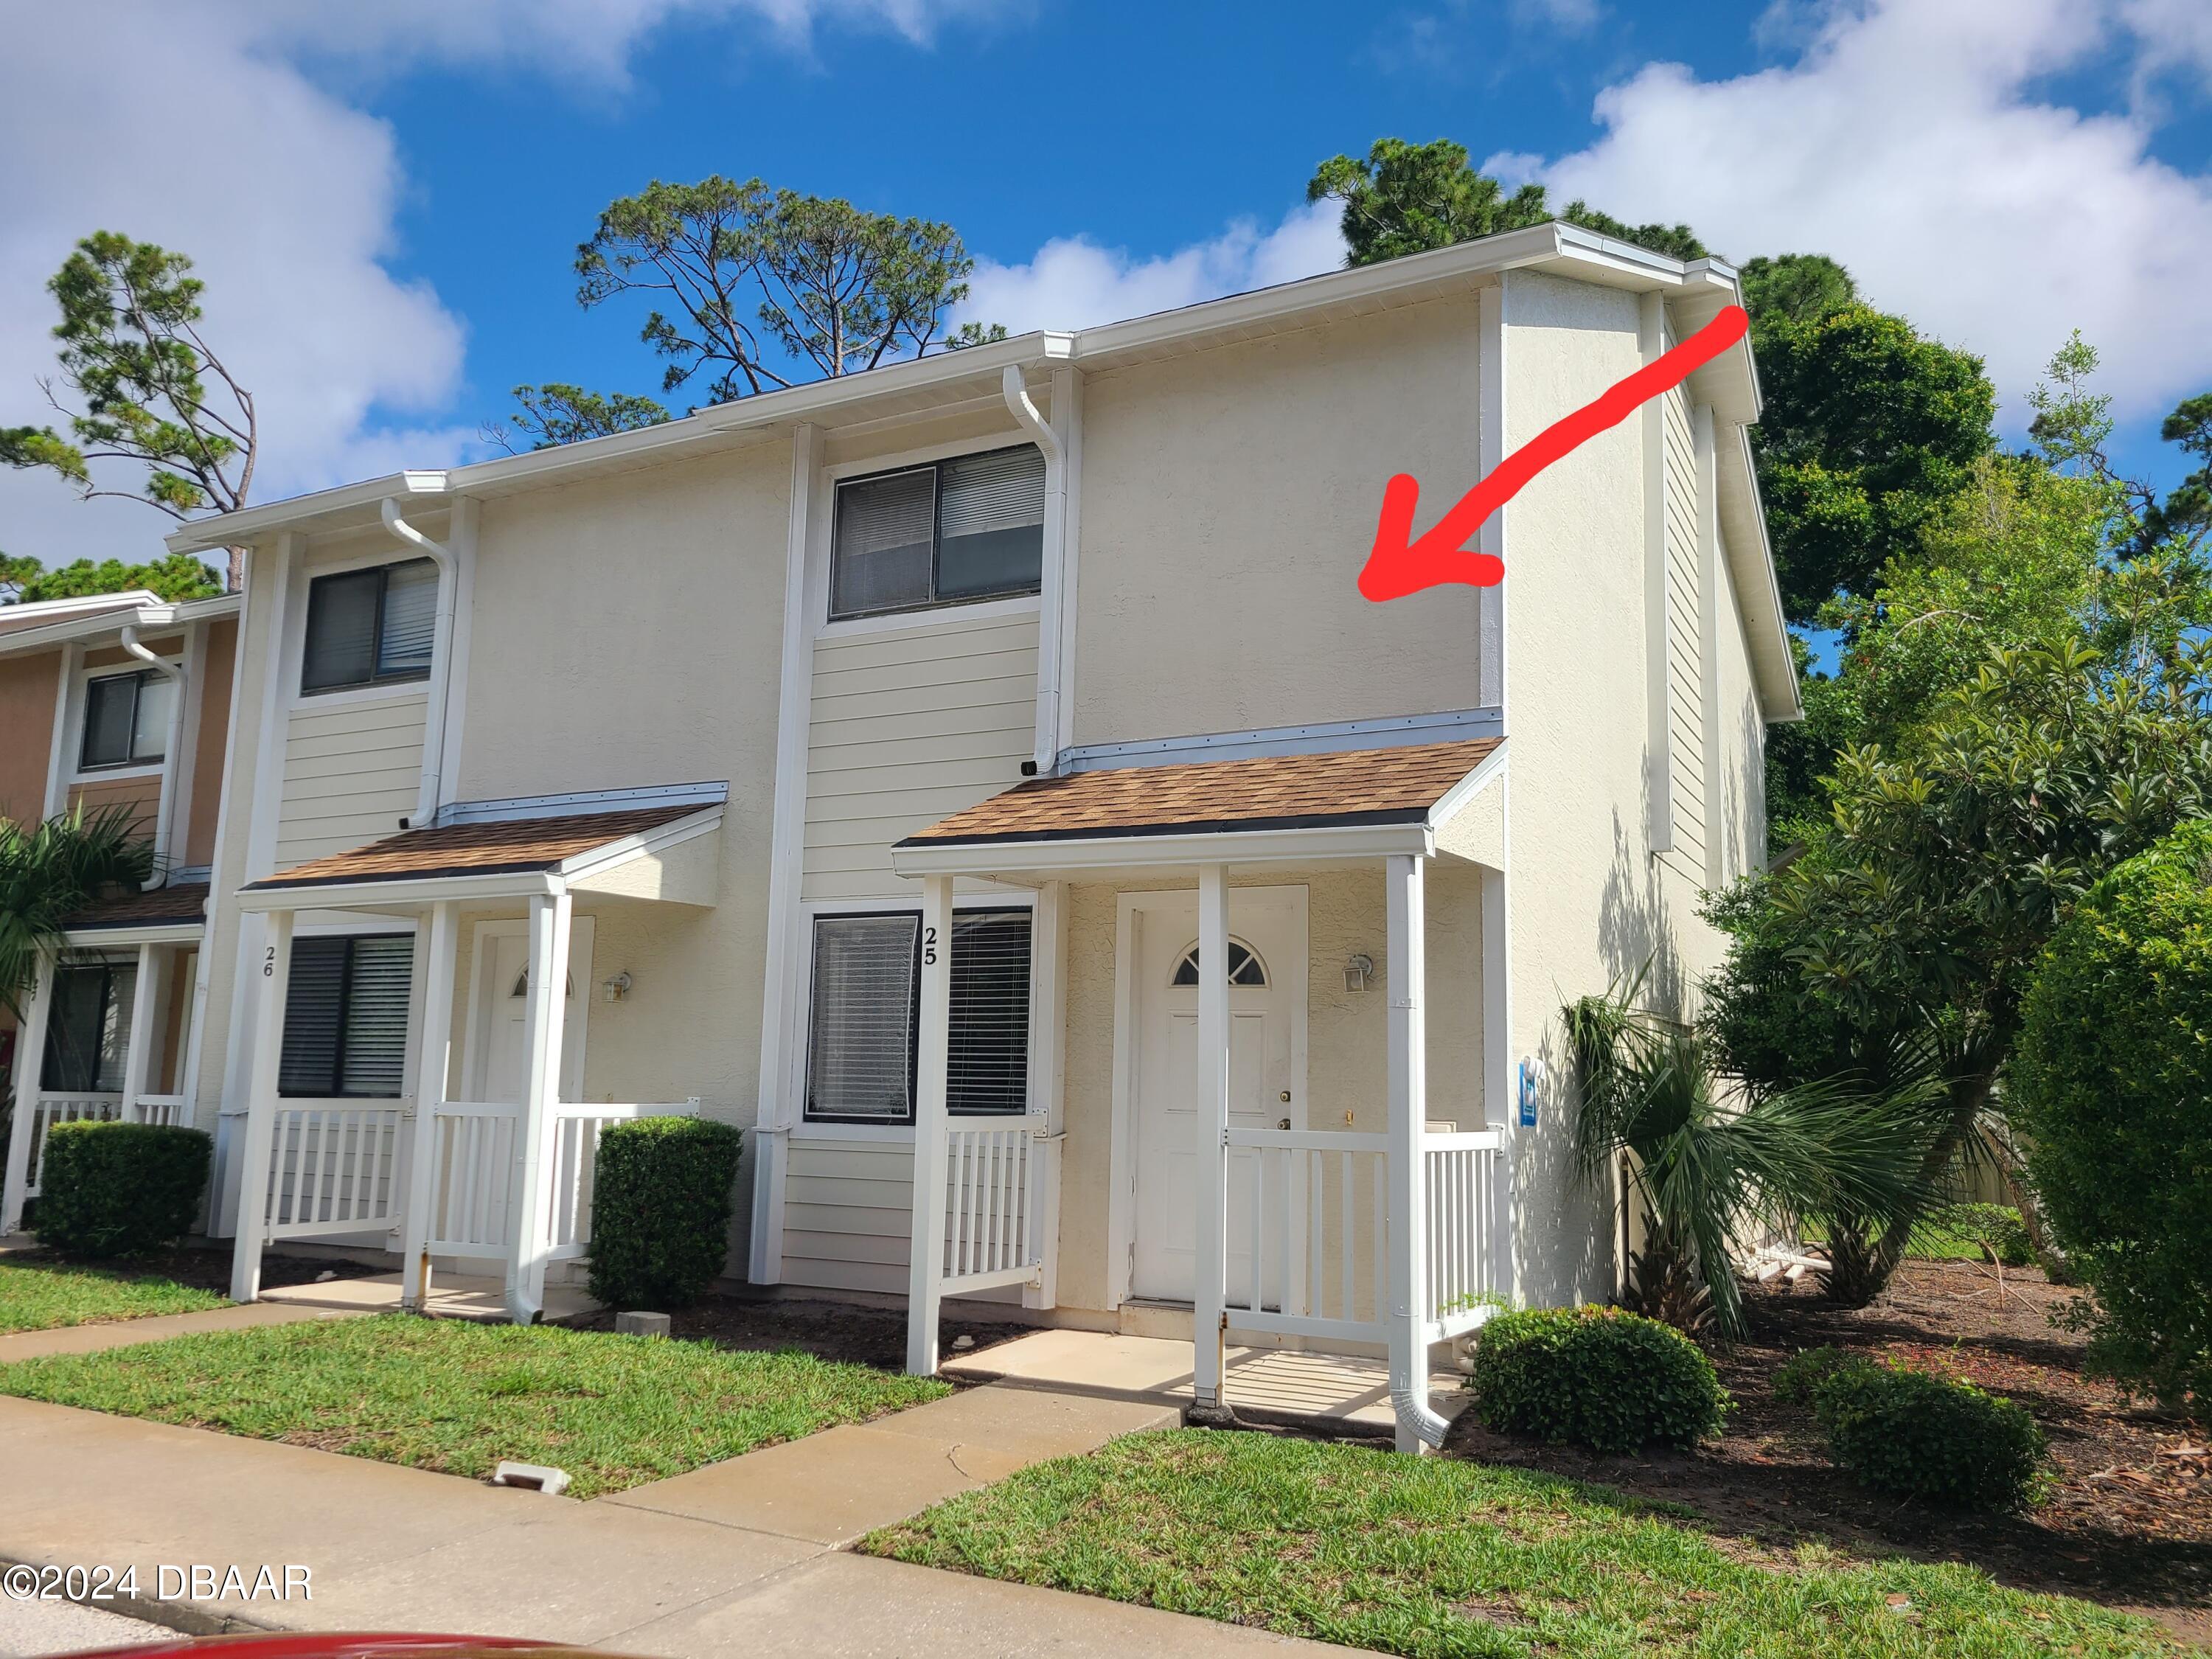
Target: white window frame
pixel 80 710
pixel 292 664
pixel 838 473
pixel 805 1128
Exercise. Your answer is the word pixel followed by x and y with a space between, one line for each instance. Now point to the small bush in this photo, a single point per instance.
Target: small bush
pixel 1910 1434
pixel 2112 1089
pixel 1597 1376
pixel 1995 1228
pixel 120 1189
pixel 660 1210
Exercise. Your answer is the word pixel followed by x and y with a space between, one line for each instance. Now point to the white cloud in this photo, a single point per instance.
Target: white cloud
pixel 1074 282
pixel 1910 139
pixel 194 123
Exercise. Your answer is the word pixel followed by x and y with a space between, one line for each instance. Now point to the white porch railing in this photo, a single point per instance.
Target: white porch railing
pixel 1311 1240
pixel 166 1110
pixel 51 1109
pixel 333 1167
pixel 1464 1201
pixel 997 1172
pixel 473 1146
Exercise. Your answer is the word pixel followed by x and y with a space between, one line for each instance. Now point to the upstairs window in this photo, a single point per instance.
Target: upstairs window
pixel 88 1027
pixel 370 626
pixel 345 1017
pixel 862 1049
pixel 965 529
pixel 126 719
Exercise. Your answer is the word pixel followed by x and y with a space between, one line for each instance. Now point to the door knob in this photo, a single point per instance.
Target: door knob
pixel 1285 1096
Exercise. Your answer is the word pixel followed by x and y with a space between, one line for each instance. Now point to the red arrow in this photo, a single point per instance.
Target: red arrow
pixel 1401 565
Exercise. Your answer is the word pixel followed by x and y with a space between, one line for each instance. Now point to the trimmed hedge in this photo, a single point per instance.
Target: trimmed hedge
pixel 1912 1434
pixel 1597 1376
pixel 120 1189
pixel 660 1210
pixel 2111 1087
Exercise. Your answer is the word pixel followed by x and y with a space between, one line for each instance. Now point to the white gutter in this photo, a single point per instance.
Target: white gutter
pixel 441 656
pixel 1047 749
pixel 172 751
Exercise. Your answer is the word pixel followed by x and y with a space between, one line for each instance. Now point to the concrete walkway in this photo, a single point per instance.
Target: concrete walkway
pixel 737 1557
pixel 127 1332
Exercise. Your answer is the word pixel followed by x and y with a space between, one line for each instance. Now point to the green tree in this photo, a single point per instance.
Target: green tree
pixel 1868 428
pixel 2114 1086
pixel 24 580
pixel 558 413
pixel 835 287
pixel 1404 199
pixel 153 393
pixel 52 870
pixel 1796 287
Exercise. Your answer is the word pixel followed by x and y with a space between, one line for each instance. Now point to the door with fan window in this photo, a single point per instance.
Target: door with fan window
pixel 496 1062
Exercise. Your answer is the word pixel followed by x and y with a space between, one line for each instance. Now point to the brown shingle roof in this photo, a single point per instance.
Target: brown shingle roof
pixel 186 901
pixel 1271 792
pixel 508 846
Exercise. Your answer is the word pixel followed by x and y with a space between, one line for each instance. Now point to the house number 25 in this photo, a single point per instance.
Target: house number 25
pixel 929 947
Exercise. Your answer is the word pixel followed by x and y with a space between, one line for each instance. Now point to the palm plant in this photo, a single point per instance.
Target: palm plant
pixel 1708 1160
pixel 52 870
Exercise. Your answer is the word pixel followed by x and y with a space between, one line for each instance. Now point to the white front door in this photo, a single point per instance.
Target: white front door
pixel 497 1063
pixel 1266 1070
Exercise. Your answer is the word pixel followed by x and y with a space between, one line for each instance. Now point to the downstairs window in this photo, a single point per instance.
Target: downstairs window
pixel 345 1017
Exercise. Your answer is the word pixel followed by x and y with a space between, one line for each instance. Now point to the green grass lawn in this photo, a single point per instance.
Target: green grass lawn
pixel 446 1395
pixel 1441 1557
pixel 40 1296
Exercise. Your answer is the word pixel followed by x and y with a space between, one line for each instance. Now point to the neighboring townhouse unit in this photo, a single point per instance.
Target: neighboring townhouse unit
pixel 119 701
pixel 986 768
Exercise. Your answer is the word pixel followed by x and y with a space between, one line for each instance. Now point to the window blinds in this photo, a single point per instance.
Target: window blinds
pixel 988 1064
pixel 340 648
pixel 410 618
pixel 345 1017
pixel 991 525
pixel 109 717
pixel 860 1055
pixel 884 541
pixel 88 1032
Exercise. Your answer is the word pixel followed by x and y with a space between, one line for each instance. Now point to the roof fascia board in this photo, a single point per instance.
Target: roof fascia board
pixel 150 933
pixel 1151 852
pixel 1449 804
pixel 249 524
pixel 160 615
pixel 599 860
pixel 1758 588
pixel 405 890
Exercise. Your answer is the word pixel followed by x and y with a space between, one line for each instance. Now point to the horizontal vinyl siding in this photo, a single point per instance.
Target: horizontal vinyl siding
pixel 848 1214
pixel 143 795
pixel 907 726
pixel 1685 720
pixel 351 772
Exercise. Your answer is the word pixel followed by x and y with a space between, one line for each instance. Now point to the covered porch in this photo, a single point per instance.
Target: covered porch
pixel 1390 1235
pixel 499 1184
pixel 108 1033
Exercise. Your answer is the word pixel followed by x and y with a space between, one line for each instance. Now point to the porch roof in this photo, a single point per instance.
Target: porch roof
pixel 1278 806
pixel 159 915
pixel 489 858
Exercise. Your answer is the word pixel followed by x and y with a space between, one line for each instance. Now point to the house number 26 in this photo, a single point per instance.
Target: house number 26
pixel 929 947
pixel 269 963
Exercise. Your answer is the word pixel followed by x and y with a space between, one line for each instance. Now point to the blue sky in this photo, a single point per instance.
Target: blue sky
pixel 389 247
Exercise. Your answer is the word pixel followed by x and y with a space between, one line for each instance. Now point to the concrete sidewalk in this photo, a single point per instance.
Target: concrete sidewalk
pixel 98 1337
pixel 740 1556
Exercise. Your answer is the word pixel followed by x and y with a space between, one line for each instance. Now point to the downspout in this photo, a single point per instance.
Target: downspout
pixel 172 753
pixel 441 655
pixel 1049 643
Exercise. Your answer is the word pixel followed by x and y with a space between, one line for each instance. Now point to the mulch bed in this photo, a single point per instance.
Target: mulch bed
pixel 209 1269
pixel 829 1330
pixel 2128 1523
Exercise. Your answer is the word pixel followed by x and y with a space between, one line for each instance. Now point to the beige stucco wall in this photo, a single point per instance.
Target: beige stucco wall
pixel 1229 499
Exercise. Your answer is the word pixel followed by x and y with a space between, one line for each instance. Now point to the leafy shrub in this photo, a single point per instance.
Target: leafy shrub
pixel 2111 1084
pixel 120 1189
pixel 1910 1434
pixel 1600 1377
pixel 660 1210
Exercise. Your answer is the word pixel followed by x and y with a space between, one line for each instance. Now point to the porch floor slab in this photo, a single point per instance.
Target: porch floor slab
pixel 451 1298
pixel 1330 1392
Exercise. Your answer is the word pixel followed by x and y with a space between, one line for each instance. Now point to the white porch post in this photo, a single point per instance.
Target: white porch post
pixel 434 938
pixel 926 1268
pixel 1418 1427
pixel 138 1056
pixel 544 1013
pixel 267 1049
pixel 1210 1290
pixel 1497 1102
pixel 30 1060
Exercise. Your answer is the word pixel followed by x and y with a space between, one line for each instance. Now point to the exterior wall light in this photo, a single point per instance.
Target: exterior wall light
pixel 617 988
pixel 1357 971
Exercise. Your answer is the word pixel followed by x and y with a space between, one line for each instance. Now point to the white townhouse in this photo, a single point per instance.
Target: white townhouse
pixel 980 779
